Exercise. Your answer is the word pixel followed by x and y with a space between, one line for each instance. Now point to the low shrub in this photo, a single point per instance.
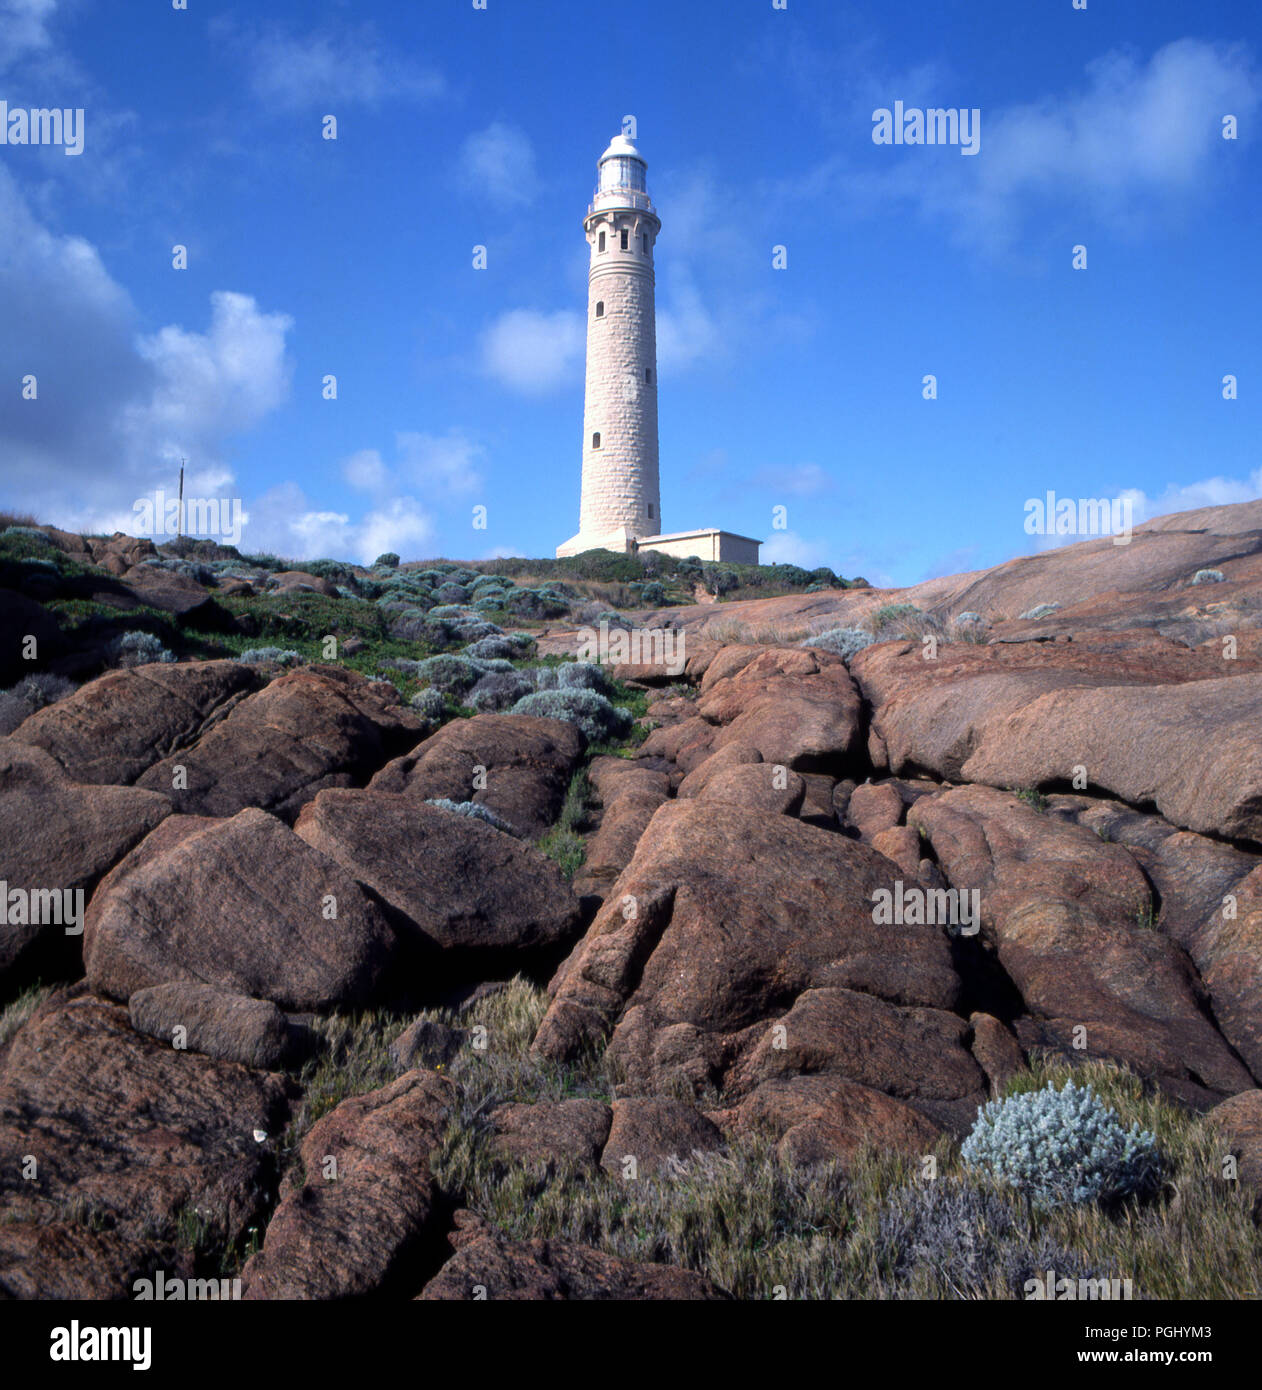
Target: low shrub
pixel 282 656
pixel 841 641
pixel 451 674
pixel 136 649
pixel 509 646
pixel 500 690
pixel 429 704
pixel 1040 610
pixel 1208 577
pixel 573 675
pixel 474 810
pixel 1062 1147
pixel 591 713
pixel 536 603
pixel 31 693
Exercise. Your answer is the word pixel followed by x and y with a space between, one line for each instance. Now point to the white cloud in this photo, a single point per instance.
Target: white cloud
pixel 114 408
pixel 686 330
pixel 24 29
pixel 210 384
pixel 366 471
pixel 1134 138
pixel 293 72
pixel 284 522
pixel 533 352
pixel 1175 497
pixel 438 465
pixel 402 526
pixel 498 163
pixel 1186 497
pixel 788 548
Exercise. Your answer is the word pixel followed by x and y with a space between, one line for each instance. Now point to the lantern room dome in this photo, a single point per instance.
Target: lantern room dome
pixel 621 147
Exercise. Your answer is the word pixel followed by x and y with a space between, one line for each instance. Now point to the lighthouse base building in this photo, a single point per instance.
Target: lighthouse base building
pixel 708 543
pixel 621 498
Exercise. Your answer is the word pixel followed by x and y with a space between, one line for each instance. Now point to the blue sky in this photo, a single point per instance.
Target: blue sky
pixel 799 388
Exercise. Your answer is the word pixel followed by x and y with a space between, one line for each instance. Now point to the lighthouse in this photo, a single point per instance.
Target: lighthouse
pixel 620 507
pixel 621 499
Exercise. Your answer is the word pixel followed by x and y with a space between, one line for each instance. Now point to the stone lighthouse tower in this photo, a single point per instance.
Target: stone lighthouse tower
pixel 621 504
pixel 621 499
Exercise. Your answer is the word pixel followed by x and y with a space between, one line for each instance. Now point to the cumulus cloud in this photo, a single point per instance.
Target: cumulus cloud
pixel 210 384
pixel 1132 138
pixel 285 522
pixel 114 407
pixel 687 331
pixel 498 164
pixel 24 29
pixel 366 471
pixel 1175 497
pixel 290 71
pixel 444 465
pixel 1186 497
pixel 789 548
pixel 535 352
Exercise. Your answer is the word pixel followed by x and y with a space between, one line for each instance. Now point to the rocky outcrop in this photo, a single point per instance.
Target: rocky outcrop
pixel 242 904
pixel 629 795
pixel 492 1267
pixel 130 1133
pixel 1239 1121
pixel 1070 916
pixel 796 707
pixel 1210 903
pixel 825 910
pixel 1137 716
pixel 513 764
pixel 228 1027
pixel 551 1131
pixel 462 887
pixel 117 726
pixel 56 840
pixel 724 917
pixel 309 729
pixel 648 1136
pixel 918 1055
pixel 825 1118
pixel 171 592
pixel 356 1217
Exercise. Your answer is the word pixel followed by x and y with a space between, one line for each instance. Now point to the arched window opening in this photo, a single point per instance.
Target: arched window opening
pixel 596 440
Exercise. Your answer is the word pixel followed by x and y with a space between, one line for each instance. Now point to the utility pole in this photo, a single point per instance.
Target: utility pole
pixel 179 519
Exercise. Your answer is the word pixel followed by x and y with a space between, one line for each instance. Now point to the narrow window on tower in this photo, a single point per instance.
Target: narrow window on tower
pixel 625 235
pixel 648 375
pixel 600 308
pixel 650 511
pixel 646 243
pixel 602 242
pixel 596 440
